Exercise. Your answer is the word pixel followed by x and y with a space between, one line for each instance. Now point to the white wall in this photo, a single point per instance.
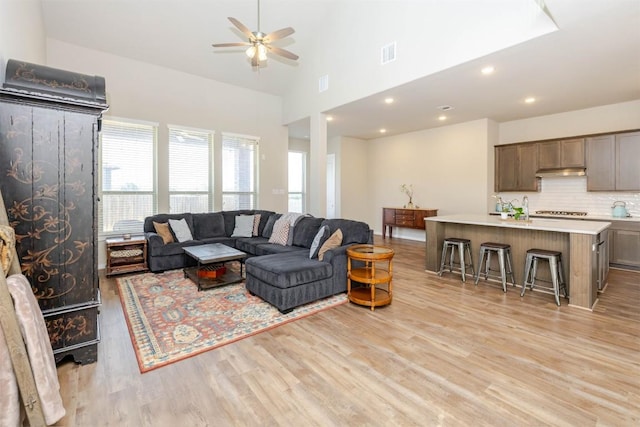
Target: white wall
pixel 448 167
pixel 15 42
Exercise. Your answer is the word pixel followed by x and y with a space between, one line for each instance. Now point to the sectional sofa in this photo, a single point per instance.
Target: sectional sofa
pixel 285 275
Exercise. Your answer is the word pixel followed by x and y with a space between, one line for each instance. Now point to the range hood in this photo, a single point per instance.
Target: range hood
pixel 554 173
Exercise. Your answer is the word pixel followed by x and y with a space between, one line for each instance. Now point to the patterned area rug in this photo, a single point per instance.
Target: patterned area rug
pixel 169 320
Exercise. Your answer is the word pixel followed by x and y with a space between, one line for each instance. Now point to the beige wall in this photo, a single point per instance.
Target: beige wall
pixel 606 118
pixel 141 91
pixel 15 42
pixel 136 90
pixel 448 167
pixel 352 186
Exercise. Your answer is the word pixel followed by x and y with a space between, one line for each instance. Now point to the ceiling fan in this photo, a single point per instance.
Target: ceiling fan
pixel 260 43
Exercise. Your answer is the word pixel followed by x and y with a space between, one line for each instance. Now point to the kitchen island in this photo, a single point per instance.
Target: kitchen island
pixel 583 245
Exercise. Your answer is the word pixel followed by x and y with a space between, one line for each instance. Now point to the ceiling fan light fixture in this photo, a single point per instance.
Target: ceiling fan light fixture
pixel 262 52
pixel 251 52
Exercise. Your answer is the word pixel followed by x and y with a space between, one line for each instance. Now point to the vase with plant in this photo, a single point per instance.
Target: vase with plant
pixel 408 190
pixel 504 212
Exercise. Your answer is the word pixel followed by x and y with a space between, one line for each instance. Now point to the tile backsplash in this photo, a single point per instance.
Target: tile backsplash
pixel 570 194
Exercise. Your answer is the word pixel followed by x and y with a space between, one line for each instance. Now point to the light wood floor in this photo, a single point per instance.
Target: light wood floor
pixel 443 353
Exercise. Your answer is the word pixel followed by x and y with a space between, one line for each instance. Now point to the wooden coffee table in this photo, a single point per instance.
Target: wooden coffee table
pixel 211 258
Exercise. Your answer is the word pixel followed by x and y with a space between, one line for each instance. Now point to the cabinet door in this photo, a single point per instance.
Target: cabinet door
pixel 506 178
pixel 549 155
pixel 389 215
pixel 572 153
pixel 601 173
pixel 628 162
pixel 625 247
pixel 527 167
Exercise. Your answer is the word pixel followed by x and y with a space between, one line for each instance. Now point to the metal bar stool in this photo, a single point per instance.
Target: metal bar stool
pixel 504 260
pixel 555 265
pixel 462 245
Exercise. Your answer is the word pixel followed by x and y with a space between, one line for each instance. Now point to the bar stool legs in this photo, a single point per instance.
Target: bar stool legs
pixel 464 250
pixel 555 266
pixel 504 260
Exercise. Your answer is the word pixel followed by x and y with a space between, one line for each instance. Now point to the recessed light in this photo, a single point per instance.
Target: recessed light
pixel 383 130
pixel 530 100
pixel 488 70
pixel 442 118
pixel 329 118
pixel 388 100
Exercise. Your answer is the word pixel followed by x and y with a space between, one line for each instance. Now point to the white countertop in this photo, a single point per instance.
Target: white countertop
pixel 544 224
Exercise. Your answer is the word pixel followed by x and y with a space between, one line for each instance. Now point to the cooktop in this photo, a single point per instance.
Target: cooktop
pixel 562 213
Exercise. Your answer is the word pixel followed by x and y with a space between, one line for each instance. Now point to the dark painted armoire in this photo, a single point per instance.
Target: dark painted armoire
pixel 49 125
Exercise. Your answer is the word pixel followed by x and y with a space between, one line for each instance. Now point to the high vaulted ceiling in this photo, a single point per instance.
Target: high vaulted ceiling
pixel 592 59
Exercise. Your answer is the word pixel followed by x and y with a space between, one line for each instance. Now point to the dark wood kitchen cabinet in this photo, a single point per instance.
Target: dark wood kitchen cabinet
pixel 515 167
pixel 49 124
pixel 402 217
pixel 564 153
pixel 612 162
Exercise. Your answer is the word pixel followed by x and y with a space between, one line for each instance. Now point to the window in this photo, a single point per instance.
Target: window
pixel 190 170
pixel 297 181
pixel 239 171
pixel 127 176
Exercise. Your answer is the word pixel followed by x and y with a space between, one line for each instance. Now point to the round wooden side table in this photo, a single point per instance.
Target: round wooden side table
pixel 377 270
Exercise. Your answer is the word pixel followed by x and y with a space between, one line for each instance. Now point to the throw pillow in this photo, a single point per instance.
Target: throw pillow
pixel 332 242
pixel 280 232
pixel 321 235
pixel 256 224
pixel 180 229
pixel 244 226
pixel 162 228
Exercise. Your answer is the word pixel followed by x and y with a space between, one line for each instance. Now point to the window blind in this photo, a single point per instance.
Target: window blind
pixel 190 170
pixel 127 184
pixel 239 171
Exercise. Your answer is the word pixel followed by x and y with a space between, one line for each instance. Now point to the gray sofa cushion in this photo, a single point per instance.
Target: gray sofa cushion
pixel 352 231
pixel 288 270
pixel 268 228
pixel 248 244
pixel 207 225
pixel 148 221
pixel 305 230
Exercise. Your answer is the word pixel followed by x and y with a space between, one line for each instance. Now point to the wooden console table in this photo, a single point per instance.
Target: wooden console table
pixel 401 217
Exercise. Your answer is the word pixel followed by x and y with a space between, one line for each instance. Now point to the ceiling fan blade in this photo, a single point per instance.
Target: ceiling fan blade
pixel 239 25
pixel 277 35
pixel 282 52
pixel 231 44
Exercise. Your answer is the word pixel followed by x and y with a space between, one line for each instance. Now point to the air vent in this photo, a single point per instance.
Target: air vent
pixel 388 53
pixel 323 83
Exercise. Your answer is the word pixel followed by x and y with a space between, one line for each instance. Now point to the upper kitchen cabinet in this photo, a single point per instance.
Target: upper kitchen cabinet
pixel 612 162
pixel 565 153
pixel 628 161
pixel 516 166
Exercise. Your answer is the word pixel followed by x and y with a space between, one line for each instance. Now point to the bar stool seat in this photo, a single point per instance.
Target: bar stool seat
pixel 504 260
pixel 463 247
pixel 554 259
